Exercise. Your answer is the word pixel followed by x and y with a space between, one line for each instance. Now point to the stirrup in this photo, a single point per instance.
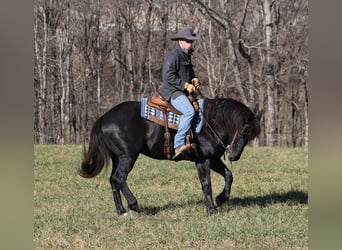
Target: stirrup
pixel 184 148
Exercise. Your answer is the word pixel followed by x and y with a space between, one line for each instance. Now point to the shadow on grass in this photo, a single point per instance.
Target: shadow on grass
pixel 292 198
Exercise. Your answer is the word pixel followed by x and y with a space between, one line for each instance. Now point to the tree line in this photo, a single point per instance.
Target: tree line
pixel 91 55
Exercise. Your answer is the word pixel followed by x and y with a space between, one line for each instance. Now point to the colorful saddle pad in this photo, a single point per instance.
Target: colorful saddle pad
pixel 156 115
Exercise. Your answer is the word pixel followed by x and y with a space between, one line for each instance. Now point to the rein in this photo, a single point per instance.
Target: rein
pixel 227 148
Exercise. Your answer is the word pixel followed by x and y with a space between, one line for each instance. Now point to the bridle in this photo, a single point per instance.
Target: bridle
pixel 229 147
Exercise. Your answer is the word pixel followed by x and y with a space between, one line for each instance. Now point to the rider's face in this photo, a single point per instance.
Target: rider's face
pixel 185 44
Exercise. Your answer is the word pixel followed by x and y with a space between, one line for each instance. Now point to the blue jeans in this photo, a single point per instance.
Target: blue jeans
pixel 182 104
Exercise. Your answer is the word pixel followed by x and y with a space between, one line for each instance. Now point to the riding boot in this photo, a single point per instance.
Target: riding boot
pixel 180 150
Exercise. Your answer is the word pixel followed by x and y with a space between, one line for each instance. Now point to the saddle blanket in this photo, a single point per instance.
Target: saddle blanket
pixel 156 115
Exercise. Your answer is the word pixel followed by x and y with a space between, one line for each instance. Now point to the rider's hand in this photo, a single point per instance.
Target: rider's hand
pixel 189 87
pixel 195 82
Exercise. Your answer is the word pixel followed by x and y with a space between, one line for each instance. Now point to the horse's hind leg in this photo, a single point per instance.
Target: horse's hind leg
pixel 219 167
pixel 131 200
pixel 114 182
pixel 121 168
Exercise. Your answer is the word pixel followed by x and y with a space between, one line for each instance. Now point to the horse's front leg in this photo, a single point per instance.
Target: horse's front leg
pixel 203 170
pixel 219 167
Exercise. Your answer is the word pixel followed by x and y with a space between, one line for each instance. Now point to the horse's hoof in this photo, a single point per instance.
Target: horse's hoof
pixel 130 214
pixel 213 211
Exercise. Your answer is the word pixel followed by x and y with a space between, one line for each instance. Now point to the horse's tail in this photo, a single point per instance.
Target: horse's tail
pixel 97 155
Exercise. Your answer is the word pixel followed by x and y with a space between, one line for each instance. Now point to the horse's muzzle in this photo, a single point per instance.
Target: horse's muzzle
pixel 233 157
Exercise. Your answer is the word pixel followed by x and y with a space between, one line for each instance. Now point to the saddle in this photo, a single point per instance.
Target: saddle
pixel 158 102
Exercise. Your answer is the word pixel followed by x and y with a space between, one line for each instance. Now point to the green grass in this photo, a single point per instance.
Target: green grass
pixel 268 207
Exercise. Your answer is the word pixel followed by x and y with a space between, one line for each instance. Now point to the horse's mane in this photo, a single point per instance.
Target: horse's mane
pixel 229 113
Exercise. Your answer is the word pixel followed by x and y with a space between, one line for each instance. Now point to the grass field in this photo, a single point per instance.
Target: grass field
pixel 268 207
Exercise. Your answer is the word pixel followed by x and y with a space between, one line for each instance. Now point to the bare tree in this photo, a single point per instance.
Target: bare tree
pixel 91 55
pixel 225 23
pixel 40 44
pixel 269 70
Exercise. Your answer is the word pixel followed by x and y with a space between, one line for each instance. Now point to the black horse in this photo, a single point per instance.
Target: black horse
pixel 121 135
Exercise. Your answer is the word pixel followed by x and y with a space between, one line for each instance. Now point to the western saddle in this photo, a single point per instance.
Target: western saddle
pixel 158 102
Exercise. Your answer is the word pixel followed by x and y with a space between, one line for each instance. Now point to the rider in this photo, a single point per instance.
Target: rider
pixel 178 81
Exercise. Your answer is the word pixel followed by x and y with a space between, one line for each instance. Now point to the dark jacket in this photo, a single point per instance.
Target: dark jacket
pixel 177 70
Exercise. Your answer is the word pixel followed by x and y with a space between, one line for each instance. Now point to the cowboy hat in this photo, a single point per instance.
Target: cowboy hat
pixel 186 34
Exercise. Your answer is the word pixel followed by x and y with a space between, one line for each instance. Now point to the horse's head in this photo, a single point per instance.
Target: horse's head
pixel 248 131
